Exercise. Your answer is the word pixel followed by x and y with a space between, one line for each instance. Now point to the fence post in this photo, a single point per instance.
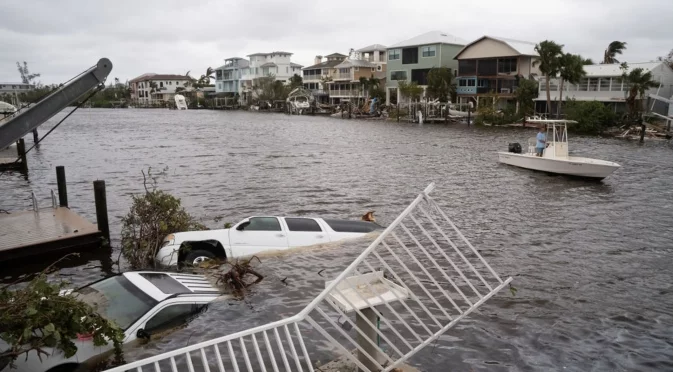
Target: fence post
pixel 398 112
pixel 62 189
pixel 101 208
pixel 21 150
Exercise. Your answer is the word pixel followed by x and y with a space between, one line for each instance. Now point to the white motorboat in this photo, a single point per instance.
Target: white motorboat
pixel 180 102
pixel 555 158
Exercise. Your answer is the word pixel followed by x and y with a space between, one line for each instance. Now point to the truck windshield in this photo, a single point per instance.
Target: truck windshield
pixel 118 300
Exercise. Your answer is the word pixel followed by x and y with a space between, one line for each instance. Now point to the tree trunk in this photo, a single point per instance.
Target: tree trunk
pixel 560 100
pixel 548 94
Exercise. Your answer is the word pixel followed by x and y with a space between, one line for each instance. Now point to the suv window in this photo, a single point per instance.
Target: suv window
pixel 263 224
pixel 352 226
pixel 302 224
pixel 173 316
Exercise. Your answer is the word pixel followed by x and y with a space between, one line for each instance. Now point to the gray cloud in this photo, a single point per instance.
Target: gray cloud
pixel 61 38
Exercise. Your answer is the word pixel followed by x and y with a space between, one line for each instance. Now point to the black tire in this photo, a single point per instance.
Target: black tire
pixel 202 254
pixel 66 368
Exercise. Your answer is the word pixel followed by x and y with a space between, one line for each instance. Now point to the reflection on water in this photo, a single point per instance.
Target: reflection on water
pixel 591 261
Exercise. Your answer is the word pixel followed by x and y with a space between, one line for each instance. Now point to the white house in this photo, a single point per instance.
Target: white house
pixel 604 83
pixel 227 76
pixel 277 64
pixel 151 87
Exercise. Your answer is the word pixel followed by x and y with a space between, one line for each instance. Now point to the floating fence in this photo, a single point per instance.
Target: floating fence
pixel 419 278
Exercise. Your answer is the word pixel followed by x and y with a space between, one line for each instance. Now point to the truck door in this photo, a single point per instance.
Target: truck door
pixel 256 235
pixel 305 231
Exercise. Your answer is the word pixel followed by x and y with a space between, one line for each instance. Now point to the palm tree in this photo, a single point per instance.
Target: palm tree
pixel 638 82
pixel 205 79
pixel 615 47
pixel 364 83
pixel 571 69
pixel 549 53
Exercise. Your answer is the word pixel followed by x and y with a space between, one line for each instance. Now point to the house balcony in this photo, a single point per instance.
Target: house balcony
pixel 312 78
pixel 345 93
pixel 342 77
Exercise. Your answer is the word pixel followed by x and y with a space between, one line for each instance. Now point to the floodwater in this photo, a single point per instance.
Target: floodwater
pixel 591 261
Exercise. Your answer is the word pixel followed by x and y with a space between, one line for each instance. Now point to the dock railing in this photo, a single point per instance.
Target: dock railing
pixel 419 278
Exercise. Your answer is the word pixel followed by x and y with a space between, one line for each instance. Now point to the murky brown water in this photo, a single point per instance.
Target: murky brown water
pixel 592 261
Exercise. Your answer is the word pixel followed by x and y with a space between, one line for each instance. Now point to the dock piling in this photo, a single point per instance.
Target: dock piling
pixel 21 150
pixel 61 185
pixel 35 136
pixel 101 208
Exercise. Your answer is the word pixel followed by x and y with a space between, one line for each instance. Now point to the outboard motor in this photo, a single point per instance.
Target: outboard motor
pixel 515 148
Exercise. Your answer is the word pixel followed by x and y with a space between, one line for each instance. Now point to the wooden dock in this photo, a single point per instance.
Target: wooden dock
pixel 49 230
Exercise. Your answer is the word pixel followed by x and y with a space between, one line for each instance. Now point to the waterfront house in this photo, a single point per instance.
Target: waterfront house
pixel 277 64
pixel 228 76
pixel 368 62
pixel 412 59
pixel 16 87
pixel 494 65
pixel 603 83
pixel 313 75
pixel 151 88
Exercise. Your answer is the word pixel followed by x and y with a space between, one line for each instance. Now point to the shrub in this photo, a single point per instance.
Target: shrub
pixel 152 216
pixel 592 116
pixel 37 316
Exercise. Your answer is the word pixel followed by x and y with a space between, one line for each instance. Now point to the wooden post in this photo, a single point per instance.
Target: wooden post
pixel 35 136
pixel 367 333
pixel 62 189
pixel 468 115
pixel 398 111
pixel 642 129
pixel 101 208
pixel 21 150
pixel 349 110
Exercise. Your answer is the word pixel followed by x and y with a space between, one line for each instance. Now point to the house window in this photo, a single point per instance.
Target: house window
pixel 507 65
pixel 604 84
pixel 467 67
pixel 161 84
pixel 429 51
pixel 583 86
pixel 344 71
pixel 553 85
pixel 593 85
pixel 462 83
pixel 287 69
pixel 410 56
pixel 616 84
pixel 487 67
pixel 398 75
pixel 378 68
pixel 393 54
pixel 420 76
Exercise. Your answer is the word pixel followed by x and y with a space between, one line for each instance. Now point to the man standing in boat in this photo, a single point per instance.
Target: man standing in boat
pixel 541 142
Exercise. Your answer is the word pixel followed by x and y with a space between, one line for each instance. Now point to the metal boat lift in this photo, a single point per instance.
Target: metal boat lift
pixel 24 121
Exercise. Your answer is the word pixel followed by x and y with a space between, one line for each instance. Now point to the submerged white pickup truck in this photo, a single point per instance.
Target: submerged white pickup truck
pixel 257 234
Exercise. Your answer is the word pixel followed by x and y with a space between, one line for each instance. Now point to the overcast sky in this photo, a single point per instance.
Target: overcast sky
pixel 60 38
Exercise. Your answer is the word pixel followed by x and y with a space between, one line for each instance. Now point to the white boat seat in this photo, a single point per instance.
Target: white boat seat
pixel 531 145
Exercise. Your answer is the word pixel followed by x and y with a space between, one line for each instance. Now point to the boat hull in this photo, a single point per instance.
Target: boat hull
pixel 571 166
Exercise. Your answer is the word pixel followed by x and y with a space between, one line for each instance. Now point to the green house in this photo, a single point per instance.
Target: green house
pixel 412 59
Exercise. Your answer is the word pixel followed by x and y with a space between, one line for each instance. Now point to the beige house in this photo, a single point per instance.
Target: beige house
pixel 494 65
pixel 153 88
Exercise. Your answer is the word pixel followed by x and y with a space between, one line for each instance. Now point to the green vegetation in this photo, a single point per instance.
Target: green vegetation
pixel 411 91
pixel 487 113
pixel 525 94
pixel 441 85
pixel 549 61
pixel 37 316
pixel 638 82
pixel 592 117
pixel 152 216
pixel 296 81
pixel 615 47
pixel 571 69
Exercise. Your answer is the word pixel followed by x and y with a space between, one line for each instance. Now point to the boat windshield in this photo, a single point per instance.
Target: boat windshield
pixel 118 300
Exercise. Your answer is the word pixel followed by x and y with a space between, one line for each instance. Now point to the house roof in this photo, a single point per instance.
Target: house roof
pixel 432 37
pixel 242 63
pixel 327 64
pixel 151 76
pixel 371 48
pixel 615 70
pixel 268 54
pixel 524 48
pixel 354 63
pixel 336 55
pixel 292 64
pixel 269 64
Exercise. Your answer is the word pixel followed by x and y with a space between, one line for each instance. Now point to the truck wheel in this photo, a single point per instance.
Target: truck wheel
pixel 197 256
